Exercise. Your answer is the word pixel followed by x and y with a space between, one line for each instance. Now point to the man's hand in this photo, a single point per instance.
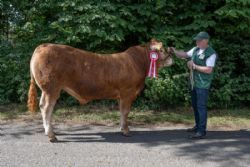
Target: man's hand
pixel 171 50
pixel 190 64
pixel 203 69
pixel 180 54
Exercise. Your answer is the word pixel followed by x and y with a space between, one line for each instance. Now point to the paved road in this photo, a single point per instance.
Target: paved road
pixel 24 144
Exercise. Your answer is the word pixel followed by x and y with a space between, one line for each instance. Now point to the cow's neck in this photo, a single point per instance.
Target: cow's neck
pixel 140 55
pixel 146 57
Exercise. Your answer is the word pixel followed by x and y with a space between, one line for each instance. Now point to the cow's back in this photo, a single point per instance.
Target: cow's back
pixel 85 75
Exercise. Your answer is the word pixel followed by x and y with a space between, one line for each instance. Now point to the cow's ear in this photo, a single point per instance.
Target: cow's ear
pixel 153 41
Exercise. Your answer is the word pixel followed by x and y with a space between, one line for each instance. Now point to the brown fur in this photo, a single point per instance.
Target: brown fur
pixel 88 76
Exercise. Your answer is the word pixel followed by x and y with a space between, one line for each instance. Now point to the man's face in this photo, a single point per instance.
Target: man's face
pixel 202 43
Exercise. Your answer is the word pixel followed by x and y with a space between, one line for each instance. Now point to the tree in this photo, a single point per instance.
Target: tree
pixel 110 26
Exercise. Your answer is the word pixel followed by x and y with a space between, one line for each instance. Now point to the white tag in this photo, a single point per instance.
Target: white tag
pixel 201 56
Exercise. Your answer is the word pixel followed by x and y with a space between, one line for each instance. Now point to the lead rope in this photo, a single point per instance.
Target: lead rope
pixel 191 78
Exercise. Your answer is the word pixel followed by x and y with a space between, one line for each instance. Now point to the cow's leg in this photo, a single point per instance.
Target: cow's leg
pixel 125 106
pixel 47 104
pixel 42 101
pixel 42 108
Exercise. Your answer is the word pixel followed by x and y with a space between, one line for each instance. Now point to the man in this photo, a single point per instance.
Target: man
pixel 201 66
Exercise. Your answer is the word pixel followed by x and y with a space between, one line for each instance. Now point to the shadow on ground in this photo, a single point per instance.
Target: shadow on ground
pixel 226 144
pixel 223 147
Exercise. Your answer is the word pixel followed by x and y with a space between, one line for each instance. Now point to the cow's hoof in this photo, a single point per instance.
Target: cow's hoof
pixel 126 134
pixel 53 140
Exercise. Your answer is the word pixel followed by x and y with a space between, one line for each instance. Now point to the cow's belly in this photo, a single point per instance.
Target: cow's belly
pixel 84 96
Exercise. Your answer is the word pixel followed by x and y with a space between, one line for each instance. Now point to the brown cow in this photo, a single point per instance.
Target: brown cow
pixel 87 76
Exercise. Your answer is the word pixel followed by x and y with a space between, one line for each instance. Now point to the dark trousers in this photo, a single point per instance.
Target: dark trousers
pixel 199 104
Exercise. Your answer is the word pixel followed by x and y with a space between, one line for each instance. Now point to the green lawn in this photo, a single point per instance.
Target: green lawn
pixel 90 114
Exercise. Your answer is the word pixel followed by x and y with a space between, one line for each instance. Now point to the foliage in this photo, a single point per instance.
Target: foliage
pixel 110 26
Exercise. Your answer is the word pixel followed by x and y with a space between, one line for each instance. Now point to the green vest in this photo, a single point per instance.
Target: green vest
pixel 202 80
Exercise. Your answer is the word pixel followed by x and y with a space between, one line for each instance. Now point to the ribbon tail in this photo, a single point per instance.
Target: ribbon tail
pixel 150 69
pixel 154 69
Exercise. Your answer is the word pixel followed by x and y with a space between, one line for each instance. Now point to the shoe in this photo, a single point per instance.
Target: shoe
pixel 194 129
pixel 198 135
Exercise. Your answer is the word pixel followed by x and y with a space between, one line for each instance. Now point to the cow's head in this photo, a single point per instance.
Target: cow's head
pixel 165 56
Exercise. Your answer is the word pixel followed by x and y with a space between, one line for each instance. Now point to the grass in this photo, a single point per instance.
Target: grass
pixel 113 116
pixel 12 111
pixel 91 114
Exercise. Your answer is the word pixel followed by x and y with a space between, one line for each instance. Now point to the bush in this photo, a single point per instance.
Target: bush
pixel 110 26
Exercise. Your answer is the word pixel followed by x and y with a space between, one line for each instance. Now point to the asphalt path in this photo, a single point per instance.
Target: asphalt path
pixel 23 144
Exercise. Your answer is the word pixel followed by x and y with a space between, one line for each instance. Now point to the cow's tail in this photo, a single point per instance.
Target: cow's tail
pixel 32 96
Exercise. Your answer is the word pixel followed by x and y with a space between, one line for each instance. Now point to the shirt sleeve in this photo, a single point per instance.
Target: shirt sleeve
pixel 210 62
pixel 190 52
